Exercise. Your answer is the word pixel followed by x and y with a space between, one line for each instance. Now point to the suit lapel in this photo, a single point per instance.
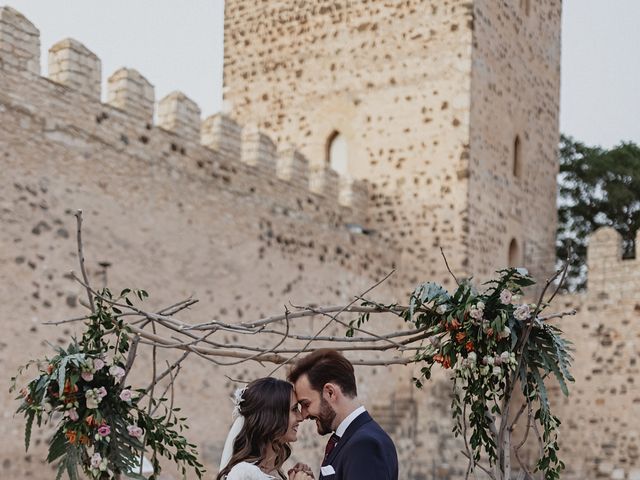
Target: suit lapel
pixel 358 422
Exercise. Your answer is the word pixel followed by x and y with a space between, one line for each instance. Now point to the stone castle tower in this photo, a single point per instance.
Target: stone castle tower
pixel 449 108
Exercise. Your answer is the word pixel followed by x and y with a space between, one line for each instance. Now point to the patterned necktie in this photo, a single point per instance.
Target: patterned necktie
pixel 330 444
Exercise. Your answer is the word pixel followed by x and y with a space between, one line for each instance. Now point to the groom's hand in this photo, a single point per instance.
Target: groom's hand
pixel 300 467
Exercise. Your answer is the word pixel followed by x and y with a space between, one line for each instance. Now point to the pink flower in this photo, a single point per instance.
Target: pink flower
pixel 126 395
pixel 522 312
pixel 506 296
pixel 87 376
pixel 117 372
pixel 134 431
pixel 101 392
pixel 95 460
pixel 72 415
pixel 104 430
pixel 98 364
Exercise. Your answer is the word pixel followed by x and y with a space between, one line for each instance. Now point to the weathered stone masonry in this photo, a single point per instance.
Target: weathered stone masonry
pixel 449 110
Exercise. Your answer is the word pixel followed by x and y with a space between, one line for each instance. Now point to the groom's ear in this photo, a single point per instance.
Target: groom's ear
pixel 330 391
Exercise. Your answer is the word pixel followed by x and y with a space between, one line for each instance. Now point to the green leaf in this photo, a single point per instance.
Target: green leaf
pixel 27 431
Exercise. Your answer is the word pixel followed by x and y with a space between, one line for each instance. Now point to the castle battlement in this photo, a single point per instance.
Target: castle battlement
pixel 611 277
pixel 217 141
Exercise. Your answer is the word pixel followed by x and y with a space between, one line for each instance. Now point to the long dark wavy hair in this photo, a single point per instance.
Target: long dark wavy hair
pixel 265 406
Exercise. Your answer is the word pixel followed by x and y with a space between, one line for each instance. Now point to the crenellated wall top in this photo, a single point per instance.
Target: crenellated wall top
pixel 74 66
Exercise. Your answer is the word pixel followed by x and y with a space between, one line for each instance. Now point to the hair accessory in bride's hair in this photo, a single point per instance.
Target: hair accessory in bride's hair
pixel 237 400
pixel 238 423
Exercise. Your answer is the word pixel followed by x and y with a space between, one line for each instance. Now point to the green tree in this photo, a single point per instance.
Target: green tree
pixel 597 187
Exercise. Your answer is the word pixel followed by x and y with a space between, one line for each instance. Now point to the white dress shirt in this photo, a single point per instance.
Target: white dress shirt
pixel 347 421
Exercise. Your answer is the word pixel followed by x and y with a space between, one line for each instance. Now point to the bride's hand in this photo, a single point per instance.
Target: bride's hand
pixel 301 467
pixel 299 475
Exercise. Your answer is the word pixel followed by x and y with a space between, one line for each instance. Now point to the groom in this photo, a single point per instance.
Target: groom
pixel 358 448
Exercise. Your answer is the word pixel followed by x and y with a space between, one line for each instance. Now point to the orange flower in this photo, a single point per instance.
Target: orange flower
pixel 469 346
pixel 91 421
pixel 447 362
pixel 71 436
pixel 460 336
pixel 438 358
pixel 49 369
pixel 490 332
pixel 68 388
pixel 84 440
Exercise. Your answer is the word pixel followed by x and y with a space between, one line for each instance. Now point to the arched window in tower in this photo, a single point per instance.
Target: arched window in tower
pixel 517 157
pixel 338 153
pixel 514 254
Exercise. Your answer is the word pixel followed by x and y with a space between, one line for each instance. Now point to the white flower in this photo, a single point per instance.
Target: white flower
pixel 117 372
pixel 126 395
pixel 441 309
pixel 522 312
pixel 505 356
pixel 476 313
pixel 472 357
pixel 497 371
pixel 490 361
pixel 480 305
pixel 93 397
pixel 237 400
pixel 134 431
pixel 515 299
pixel 435 341
pixel 96 459
pixel 103 465
pixel 92 403
pixel 506 296
pixel 484 370
pixel 505 333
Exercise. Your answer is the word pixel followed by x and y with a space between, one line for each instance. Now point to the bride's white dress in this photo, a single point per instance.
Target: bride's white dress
pixel 247 471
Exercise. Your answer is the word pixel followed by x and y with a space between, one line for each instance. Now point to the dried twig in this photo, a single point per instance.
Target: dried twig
pixel 447 265
pixel 78 216
pixel 306 345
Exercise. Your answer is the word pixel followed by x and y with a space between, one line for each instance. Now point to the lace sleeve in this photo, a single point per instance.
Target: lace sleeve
pixel 246 471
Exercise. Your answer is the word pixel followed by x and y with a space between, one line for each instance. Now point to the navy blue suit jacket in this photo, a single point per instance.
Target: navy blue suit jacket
pixel 364 452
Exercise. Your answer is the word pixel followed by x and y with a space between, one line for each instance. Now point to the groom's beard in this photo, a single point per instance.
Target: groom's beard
pixel 325 418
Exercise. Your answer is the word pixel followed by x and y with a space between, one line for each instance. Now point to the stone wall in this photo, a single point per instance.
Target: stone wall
pixel 181 208
pixel 393 78
pixel 246 216
pixel 600 434
pixel 514 124
pixel 429 96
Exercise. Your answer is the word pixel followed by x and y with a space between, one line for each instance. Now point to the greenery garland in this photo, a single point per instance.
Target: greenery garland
pixel 491 342
pixel 101 426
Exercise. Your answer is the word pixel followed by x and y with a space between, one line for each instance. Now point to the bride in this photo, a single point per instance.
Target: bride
pixel 266 421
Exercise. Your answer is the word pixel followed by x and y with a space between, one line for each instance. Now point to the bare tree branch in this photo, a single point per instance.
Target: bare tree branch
pixel 78 216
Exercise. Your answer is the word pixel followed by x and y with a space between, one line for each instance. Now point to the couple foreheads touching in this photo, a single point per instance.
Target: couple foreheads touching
pixel 321 387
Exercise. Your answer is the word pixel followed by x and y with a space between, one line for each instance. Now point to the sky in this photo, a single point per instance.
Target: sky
pixel 178 45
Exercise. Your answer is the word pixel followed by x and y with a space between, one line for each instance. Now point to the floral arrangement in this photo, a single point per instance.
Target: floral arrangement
pixel 101 426
pixel 491 341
